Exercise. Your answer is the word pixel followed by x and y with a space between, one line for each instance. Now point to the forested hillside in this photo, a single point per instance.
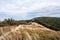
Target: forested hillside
pixel 50 22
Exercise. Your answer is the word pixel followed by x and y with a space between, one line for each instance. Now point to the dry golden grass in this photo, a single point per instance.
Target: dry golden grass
pixel 33 31
pixel 5 29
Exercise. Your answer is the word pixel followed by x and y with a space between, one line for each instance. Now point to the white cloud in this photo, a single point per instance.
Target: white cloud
pixel 23 7
pixel 56 15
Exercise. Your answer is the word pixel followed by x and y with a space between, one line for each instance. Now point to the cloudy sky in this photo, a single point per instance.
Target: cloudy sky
pixel 27 9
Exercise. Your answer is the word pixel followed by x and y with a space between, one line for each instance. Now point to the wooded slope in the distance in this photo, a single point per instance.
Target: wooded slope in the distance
pixel 50 22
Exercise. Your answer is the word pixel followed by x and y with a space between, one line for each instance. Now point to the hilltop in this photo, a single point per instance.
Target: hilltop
pixel 31 31
pixel 49 22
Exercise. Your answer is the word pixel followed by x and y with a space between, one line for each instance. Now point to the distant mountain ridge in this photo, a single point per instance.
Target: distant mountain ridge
pixel 50 22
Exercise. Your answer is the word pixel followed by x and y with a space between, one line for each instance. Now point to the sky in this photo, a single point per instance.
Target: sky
pixel 28 9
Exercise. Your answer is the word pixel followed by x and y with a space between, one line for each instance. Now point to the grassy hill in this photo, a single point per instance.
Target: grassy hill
pixel 32 31
pixel 28 31
pixel 49 22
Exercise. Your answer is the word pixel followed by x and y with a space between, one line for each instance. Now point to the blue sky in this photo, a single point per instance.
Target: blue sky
pixel 27 9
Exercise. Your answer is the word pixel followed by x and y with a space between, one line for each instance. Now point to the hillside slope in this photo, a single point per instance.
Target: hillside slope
pixel 50 22
pixel 33 31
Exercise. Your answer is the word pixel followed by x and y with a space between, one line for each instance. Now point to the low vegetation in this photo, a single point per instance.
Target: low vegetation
pixel 32 31
pixel 49 22
pixel 9 29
